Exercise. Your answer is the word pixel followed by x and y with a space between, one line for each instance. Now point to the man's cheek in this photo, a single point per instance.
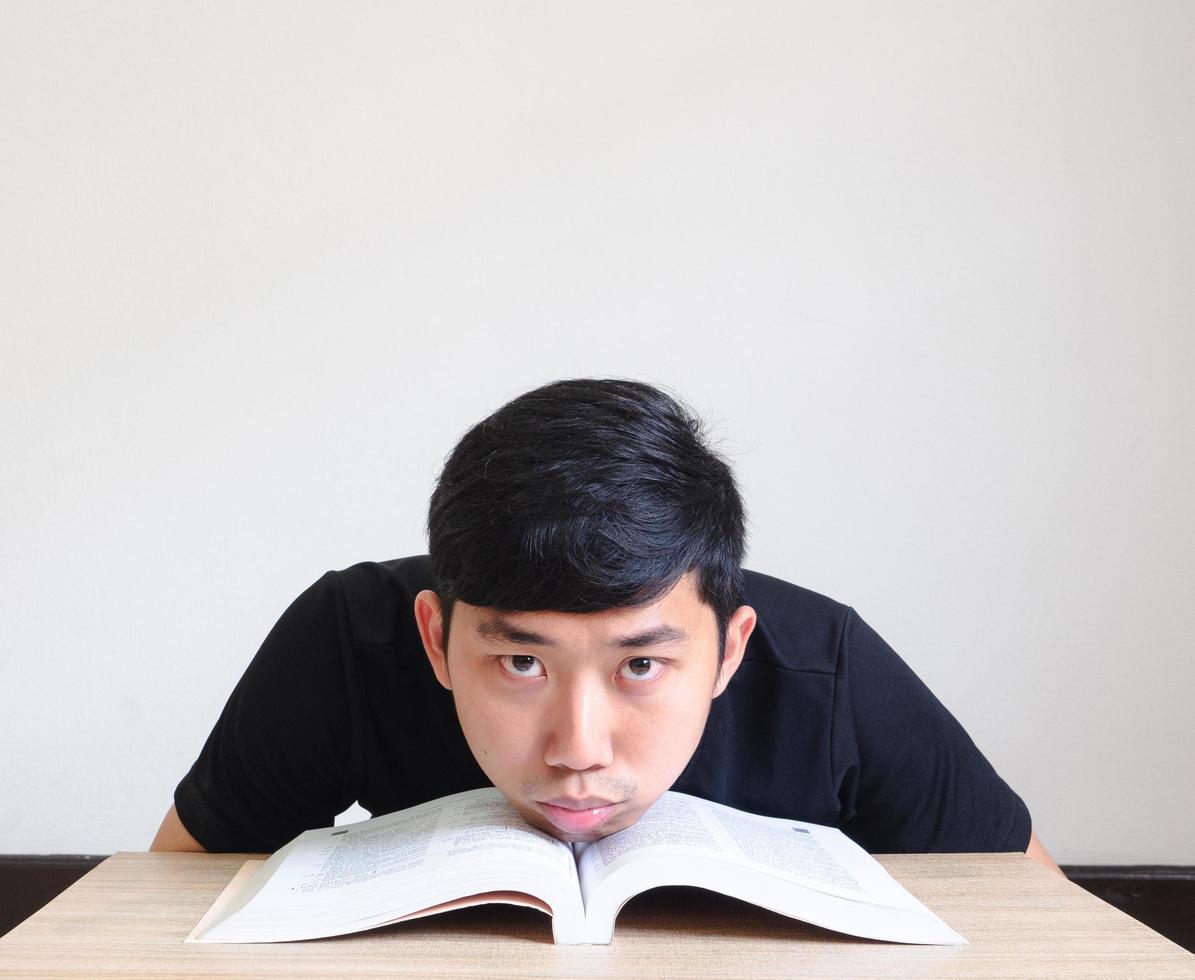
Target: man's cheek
pixel 498 740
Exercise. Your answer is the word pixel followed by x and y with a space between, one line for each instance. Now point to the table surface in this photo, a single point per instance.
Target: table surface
pixel 128 917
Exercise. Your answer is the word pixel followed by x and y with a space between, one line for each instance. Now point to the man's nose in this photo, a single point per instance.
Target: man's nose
pixel 579 735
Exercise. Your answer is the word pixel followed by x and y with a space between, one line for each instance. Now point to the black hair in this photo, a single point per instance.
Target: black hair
pixel 585 495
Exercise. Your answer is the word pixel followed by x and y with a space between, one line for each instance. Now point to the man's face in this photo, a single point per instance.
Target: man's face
pixel 582 720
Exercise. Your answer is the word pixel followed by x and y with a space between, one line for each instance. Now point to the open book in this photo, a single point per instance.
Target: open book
pixel 474 848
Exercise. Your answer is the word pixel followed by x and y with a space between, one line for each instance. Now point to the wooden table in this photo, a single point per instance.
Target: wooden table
pixel 128 917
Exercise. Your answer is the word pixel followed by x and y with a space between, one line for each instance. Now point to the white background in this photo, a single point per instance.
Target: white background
pixel 926 268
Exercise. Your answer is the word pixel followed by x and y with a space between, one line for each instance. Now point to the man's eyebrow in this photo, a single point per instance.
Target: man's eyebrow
pixel 498 628
pixel 656 636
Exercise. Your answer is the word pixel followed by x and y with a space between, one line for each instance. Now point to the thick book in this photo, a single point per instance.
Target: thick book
pixel 473 848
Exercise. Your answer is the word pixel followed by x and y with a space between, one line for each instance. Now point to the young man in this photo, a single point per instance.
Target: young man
pixel 583 637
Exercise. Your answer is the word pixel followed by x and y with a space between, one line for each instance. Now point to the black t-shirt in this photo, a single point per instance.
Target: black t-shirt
pixel 822 722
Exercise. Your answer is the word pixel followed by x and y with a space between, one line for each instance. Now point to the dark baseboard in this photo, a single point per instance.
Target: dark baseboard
pixel 1163 897
pixel 29 881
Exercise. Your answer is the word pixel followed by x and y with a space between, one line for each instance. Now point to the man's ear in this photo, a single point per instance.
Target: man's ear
pixel 430 620
pixel 738 632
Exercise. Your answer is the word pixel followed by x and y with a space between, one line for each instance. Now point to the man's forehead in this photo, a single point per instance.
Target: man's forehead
pixel 495 626
pixel 672 618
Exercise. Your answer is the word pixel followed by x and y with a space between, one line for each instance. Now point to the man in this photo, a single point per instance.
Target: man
pixel 583 637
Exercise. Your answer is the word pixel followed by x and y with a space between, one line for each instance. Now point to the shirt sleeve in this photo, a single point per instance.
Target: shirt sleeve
pixel 280 757
pixel 912 780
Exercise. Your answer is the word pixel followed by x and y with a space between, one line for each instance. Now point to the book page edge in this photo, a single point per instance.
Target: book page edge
pixel 224 900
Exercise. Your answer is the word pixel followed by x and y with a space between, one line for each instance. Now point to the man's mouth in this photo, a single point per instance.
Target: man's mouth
pixel 577 816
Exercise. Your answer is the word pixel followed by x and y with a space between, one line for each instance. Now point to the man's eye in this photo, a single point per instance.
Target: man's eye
pixel 641 669
pixel 521 665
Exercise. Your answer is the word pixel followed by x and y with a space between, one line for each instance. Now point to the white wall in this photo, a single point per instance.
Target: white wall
pixel 927 266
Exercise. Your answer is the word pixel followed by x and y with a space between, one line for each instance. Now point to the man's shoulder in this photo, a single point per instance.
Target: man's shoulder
pixel 796 628
pixel 412 572
pixel 379 596
pixel 768 590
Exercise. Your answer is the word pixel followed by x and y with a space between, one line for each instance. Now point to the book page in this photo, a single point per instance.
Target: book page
pixel 408 839
pixel 671 820
pixel 799 869
pixel 329 880
pixel 791 848
pixel 818 857
pixel 224 901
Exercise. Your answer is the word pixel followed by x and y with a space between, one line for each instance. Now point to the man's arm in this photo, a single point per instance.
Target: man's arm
pixel 173 836
pixel 279 759
pixel 1040 854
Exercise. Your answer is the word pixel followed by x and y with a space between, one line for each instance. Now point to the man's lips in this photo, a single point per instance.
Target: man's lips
pixel 577 816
